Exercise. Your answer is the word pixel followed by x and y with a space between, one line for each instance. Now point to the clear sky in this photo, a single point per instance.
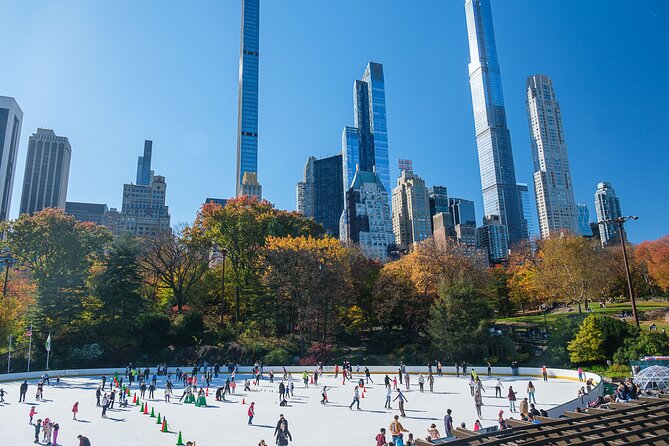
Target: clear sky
pixel 109 74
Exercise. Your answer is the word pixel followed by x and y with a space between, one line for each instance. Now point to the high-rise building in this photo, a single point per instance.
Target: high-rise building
pixel 464 220
pixel 220 201
pixel 143 212
pixel 498 175
pixel 305 190
pixel 328 193
pixel 411 211
pixel 367 221
pixel 11 118
pixel 365 146
pixel 47 172
pixel 87 212
pixel 552 177
pixel 144 172
pixel 607 206
pixel 438 200
pixel 247 131
pixel 583 219
pixel 492 238
pixel 526 202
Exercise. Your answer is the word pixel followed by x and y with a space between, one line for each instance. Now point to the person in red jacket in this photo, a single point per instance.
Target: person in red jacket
pixel 252 412
pixel 381 438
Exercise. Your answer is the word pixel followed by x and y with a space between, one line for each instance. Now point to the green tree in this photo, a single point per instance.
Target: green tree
pixel 562 331
pixel 647 343
pixel 397 302
pixel 58 252
pixel 458 322
pixel 598 338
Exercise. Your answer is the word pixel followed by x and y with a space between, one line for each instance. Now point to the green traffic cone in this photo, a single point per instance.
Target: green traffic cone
pixel 159 420
pixel 153 415
pixel 180 440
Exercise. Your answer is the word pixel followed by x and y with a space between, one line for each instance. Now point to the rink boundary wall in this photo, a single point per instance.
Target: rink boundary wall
pixel 528 372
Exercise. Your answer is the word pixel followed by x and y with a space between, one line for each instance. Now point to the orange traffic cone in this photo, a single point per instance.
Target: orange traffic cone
pixel 243 401
pixel 146 408
pixel 163 428
pixel 134 399
pixel 311 380
pixel 207 393
pixel 363 395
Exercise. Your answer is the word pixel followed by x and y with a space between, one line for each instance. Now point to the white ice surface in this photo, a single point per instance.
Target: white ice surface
pixel 221 423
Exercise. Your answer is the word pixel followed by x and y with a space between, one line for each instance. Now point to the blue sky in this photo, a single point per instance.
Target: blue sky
pixel 109 74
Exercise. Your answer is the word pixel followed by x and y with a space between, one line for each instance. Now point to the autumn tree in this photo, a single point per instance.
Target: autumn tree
pixel 397 302
pixel 309 277
pixel 177 261
pixel 598 338
pixel 522 269
pixel 570 269
pixel 655 255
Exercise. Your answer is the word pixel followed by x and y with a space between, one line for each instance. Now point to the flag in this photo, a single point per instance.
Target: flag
pixel 48 343
pixel 29 333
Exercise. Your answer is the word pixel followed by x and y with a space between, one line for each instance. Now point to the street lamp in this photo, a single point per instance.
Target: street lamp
pixel 8 261
pixel 620 222
pixel 223 254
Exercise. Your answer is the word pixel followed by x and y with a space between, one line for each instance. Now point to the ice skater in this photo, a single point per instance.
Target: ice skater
pixel 252 412
pixel 401 399
pixel 356 398
pixel 324 394
pixel 22 391
pixel 2 395
pixel 389 395
pixel 75 410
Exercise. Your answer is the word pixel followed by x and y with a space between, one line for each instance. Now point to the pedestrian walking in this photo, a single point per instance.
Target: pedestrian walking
pixel 396 428
pixel 356 398
pixel 251 413
pixel 512 399
pixel 75 410
pixel 448 423
pixel 401 399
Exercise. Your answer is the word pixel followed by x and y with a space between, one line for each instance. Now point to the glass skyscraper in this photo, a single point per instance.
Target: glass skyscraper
pixel 607 206
pixel 526 201
pixel 498 175
pixel 328 193
pixel 247 131
pixel 583 219
pixel 144 165
pixel 366 144
pixel 552 177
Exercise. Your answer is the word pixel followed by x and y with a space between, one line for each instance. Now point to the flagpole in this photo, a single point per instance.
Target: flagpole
pixel 30 344
pixel 9 354
pixel 48 351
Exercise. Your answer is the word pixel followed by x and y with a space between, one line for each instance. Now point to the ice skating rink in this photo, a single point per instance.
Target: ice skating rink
pixel 219 423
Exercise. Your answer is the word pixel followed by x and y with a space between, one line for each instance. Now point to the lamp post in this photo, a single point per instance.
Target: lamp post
pixel 224 254
pixel 8 261
pixel 620 222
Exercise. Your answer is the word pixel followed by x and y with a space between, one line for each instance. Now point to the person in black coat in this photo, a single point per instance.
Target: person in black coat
pixel 22 391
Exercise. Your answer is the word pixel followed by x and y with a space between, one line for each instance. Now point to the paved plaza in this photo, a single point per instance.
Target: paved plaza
pixel 310 422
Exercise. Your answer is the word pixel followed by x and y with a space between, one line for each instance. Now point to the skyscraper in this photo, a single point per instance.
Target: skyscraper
pixel 11 118
pixel 411 211
pixel 144 165
pixel 247 130
pixel 526 202
pixel 438 200
pixel 47 172
pixel 328 193
pixel 498 175
pixel 368 222
pixel 87 212
pixel 552 178
pixel 492 238
pixel 366 144
pixel 607 206
pixel 305 190
pixel 583 219
pixel 143 212
pixel 464 220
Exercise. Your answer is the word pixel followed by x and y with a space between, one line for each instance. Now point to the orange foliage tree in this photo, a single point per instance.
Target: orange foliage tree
pixel 655 254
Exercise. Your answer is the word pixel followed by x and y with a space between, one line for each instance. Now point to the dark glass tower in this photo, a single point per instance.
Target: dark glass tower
pixel 328 193
pixel 144 165
pixel 498 176
pixel 247 131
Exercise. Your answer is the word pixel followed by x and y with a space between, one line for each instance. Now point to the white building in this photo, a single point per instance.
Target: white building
pixel 366 218
pixel 305 190
pixel 556 206
pixel 11 118
pixel 607 206
pixel 411 211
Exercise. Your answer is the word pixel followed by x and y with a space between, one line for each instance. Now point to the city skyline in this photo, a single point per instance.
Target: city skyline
pixel 595 135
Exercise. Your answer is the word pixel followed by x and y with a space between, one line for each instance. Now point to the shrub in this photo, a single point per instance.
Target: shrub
pixel 87 355
pixel 278 356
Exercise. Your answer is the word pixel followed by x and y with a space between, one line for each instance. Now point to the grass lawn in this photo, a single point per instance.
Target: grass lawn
pixel 610 310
